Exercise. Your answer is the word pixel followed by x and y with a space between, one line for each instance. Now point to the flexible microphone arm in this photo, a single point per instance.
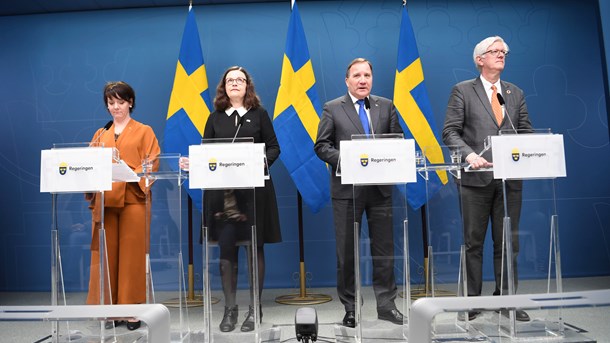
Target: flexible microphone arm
pixel 105 128
pixel 241 121
pixel 502 102
pixel 367 105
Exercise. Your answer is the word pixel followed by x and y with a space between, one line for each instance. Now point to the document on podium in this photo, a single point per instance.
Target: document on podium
pixel 122 173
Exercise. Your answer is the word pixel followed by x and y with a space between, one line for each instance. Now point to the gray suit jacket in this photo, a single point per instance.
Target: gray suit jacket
pixel 339 122
pixel 469 120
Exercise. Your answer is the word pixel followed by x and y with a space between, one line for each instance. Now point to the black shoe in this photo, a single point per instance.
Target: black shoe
pixel 472 315
pixel 133 325
pixel 248 324
pixel 113 323
pixel 520 315
pixel 392 315
pixel 229 319
pixel 349 319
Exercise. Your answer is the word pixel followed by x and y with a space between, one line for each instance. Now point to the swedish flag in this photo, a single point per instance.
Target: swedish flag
pixel 189 104
pixel 413 106
pixel 296 117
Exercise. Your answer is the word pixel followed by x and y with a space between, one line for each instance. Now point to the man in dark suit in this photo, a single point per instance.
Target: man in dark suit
pixel 359 112
pixel 475 112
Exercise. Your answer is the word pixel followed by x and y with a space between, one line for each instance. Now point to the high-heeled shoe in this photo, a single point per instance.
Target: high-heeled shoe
pixel 133 325
pixel 248 324
pixel 229 319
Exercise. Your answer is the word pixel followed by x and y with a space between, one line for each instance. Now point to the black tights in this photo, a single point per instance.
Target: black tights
pixel 230 234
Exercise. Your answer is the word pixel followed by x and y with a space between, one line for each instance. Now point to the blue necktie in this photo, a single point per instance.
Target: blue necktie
pixel 363 118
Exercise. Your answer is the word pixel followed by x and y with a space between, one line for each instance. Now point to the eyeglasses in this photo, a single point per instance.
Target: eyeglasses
pixel 239 81
pixel 495 53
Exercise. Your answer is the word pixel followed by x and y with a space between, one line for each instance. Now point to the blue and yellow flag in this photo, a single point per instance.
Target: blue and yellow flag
pixel 189 104
pixel 414 109
pixel 296 117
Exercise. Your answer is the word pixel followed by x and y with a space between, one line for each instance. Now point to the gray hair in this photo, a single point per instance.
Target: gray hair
pixel 482 47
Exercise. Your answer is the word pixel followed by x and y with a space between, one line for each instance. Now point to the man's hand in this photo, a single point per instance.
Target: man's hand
pixel 477 162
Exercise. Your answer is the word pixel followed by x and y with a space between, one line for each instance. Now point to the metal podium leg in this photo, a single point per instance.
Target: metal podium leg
pixel 207 296
pixel 357 281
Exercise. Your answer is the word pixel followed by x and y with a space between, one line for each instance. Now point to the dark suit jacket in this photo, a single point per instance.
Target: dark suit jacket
pixel 470 119
pixel 339 122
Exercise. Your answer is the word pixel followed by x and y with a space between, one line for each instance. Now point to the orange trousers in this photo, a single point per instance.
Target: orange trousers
pixel 126 241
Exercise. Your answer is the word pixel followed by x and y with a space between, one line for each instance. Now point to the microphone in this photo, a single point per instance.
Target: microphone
pixel 104 129
pixel 502 102
pixel 239 124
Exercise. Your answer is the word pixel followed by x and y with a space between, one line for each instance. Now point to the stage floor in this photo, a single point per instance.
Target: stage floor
pixel 592 323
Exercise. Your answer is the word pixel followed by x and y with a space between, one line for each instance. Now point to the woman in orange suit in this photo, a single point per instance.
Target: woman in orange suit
pixel 124 206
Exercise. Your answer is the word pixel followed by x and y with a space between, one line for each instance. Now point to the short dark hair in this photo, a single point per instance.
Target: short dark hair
pixel 120 90
pixel 222 101
pixel 357 60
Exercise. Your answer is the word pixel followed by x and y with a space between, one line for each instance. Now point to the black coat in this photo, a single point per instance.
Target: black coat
pixel 256 124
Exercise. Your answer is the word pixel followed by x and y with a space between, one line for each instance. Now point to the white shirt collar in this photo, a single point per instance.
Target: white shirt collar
pixel 487 85
pixel 354 99
pixel 241 111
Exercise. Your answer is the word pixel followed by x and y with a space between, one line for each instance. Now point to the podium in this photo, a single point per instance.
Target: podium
pixel 164 259
pixel 373 165
pixel 538 159
pixel 444 270
pixel 441 219
pixel 71 169
pixel 534 159
pixel 229 171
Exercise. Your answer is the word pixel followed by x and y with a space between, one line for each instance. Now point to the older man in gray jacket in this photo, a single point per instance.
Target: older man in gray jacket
pixel 477 109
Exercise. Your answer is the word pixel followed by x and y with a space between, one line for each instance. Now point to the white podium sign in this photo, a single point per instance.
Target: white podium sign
pixel 528 156
pixel 76 170
pixel 226 165
pixel 378 161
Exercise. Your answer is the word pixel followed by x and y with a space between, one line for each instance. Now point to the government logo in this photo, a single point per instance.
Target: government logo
pixel 63 168
pixel 364 160
pixel 515 154
pixel 212 164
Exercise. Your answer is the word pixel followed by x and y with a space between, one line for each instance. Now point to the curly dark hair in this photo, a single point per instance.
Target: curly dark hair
pixel 120 90
pixel 222 101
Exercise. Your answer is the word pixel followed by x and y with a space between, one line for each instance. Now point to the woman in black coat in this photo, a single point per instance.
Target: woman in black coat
pixel 236 102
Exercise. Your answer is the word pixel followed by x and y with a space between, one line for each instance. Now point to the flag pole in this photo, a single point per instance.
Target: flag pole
pixel 190 298
pixel 302 298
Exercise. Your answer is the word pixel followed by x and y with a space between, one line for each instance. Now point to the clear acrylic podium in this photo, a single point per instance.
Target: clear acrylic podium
pixel 535 159
pixel 165 278
pixel 378 164
pixel 229 171
pixel 444 265
pixel 439 166
pixel 68 171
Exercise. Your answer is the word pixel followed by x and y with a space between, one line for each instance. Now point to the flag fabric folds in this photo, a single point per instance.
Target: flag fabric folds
pixel 415 112
pixel 189 104
pixel 296 117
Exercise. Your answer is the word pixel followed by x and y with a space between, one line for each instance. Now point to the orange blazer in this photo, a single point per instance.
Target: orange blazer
pixel 136 142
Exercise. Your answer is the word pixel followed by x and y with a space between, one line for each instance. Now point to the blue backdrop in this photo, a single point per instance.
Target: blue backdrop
pixel 54 66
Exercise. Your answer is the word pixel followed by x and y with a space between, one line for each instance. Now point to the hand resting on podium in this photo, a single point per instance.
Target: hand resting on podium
pixel 183 163
pixel 476 162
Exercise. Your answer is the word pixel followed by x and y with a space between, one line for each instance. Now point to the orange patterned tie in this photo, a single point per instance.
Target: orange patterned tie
pixel 495 105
